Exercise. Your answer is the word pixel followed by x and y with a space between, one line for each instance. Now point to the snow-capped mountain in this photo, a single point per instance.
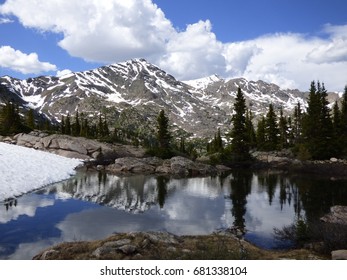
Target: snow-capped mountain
pixel 132 93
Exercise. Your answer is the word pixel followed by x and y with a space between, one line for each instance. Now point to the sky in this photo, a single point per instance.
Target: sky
pixel 286 42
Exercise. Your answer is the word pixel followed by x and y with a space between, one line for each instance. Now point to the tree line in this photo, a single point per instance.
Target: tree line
pixel 317 133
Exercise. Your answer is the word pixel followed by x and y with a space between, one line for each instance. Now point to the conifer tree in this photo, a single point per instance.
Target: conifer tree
pixel 283 129
pixel 297 123
pixel 240 139
pixel 261 134
pixel 317 124
pixel 30 119
pixel 76 128
pixel 68 125
pixel 271 130
pixel 163 136
pixel 344 122
pixel 62 125
pixel 251 134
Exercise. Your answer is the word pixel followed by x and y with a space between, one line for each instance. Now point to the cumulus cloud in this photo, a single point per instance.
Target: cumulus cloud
pixel 98 30
pixel 108 31
pixel 24 63
pixel 193 53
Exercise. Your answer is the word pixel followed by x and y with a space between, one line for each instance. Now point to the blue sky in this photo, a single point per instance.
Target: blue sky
pixel 287 42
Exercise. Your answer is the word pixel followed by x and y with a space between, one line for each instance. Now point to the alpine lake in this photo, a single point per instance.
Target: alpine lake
pixel 92 205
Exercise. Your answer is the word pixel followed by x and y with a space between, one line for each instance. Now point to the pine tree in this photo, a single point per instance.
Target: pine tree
pixel 62 125
pixel 317 124
pixel 297 123
pixel 68 125
pixel 76 127
pixel 261 140
pixel 251 134
pixel 10 120
pixel 271 130
pixel 240 139
pixel 283 129
pixel 30 119
pixel 163 136
pixel 343 138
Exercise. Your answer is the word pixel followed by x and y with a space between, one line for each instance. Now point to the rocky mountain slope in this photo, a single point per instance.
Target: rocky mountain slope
pixel 132 93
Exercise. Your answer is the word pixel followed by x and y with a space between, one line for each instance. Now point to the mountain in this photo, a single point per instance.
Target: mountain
pixel 132 93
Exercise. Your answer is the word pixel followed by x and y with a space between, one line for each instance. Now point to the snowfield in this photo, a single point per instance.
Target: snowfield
pixel 23 170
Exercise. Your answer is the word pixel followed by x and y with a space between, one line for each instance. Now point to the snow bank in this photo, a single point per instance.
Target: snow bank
pixel 23 170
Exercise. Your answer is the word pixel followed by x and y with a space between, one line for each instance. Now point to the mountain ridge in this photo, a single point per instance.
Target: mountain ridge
pixel 132 93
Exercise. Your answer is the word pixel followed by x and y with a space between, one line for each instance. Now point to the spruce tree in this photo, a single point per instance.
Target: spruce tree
pixel 271 130
pixel 283 129
pixel 344 122
pixel 261 140
pixel 68 125
pixel 251 134
pixel 62 125
pixel 163 136
pixel 317 124
pixel 240 139
pixel 30 119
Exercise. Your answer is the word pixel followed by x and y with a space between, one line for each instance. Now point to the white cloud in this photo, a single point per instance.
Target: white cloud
pixel 64 72
pixel 5 20
pixel 109 31
pixel 193 53
pixel 21 62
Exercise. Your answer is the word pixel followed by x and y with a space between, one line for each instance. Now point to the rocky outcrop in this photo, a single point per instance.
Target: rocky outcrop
pixel 75 147
pixel 175 166
pixel 167 246
pixel 337 215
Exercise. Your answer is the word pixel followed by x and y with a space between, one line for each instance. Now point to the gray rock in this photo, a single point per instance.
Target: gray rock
pixel 339 255
pixel 127 249
pixel 337 215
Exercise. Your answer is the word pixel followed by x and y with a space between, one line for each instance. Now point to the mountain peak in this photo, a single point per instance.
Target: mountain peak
pixel 203 83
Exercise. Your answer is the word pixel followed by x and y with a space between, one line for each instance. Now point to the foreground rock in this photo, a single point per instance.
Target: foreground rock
pixel 175 166
pixel 75 147
pixel 166 246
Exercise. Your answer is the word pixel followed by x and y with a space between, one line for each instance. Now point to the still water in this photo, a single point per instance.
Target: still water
pixel 93 205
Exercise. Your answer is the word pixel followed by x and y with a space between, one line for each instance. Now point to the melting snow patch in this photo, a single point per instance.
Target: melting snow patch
pixel 23 170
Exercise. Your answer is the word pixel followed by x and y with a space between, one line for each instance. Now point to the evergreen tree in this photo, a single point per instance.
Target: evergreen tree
pixel 251 134
pixel 30 119
pixel 343 138
pixel 283 129
pixel 163 136
pixel 76 127
pixel 62 125
pixel 317 124
pixel 297 123
pixel 271 130
pixel 239 133
pixel 68 125
pixel 261 140
pixel 10 120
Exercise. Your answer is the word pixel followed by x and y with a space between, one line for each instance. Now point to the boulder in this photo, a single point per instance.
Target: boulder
pixel 339 255
pixel 337 215
pixel 76 147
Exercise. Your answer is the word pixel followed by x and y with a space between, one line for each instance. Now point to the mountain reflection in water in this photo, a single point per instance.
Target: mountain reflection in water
pixel 94 205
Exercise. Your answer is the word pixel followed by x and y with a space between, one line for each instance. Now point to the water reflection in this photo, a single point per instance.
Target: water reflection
pixel 94 205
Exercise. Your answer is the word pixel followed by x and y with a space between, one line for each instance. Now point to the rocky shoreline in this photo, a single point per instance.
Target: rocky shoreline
pixel 127 159
pixel 167 246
